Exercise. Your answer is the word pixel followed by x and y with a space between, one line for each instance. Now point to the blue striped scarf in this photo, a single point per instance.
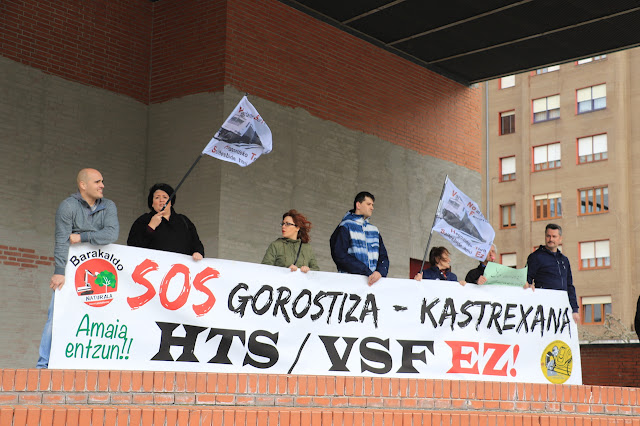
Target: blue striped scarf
pixel 365 239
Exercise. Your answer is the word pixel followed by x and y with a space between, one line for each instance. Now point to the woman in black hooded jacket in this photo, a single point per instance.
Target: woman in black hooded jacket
pixel 164 229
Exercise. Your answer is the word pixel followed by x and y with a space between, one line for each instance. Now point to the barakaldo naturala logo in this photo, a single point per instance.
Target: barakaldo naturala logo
pixel 96 277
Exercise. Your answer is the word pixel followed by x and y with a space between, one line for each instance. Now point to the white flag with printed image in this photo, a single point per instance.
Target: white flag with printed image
pixel 460 221
pixel 243 137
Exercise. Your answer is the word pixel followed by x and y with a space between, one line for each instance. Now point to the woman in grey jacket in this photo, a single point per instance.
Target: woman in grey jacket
pixel 293 250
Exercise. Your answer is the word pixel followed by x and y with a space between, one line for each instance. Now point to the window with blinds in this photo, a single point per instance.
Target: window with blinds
pixel 547 206
pixel 508 259
pixel 545 109
pixel 507 169
pixel 507 81
pixel 595 308
pixel 592 148
pixel 592 98
pixel 548 69
pixel 595 255
pixel 546 157
pixel 507 122
pixel 592 59
pixel 508 213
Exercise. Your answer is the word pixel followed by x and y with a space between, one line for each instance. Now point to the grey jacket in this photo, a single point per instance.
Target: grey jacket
pixel 74 216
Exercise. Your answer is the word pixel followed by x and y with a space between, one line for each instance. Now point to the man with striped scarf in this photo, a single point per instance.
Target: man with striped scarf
pixel 356 244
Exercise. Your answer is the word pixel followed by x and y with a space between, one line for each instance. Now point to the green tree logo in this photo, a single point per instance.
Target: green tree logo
pixel 106 279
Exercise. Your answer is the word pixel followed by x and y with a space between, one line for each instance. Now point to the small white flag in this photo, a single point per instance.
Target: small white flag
pixel 460 221
pixel 243 137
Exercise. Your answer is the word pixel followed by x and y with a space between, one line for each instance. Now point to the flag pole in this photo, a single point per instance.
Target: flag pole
pixel 435 217
pixel 182 181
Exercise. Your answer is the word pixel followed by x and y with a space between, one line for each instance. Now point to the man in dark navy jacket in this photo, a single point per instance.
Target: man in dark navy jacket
pixel 356 244
pixel 550 269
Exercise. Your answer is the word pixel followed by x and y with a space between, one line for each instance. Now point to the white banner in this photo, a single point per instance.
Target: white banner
pixel 127 308
pixel 243 137
pixel 460 221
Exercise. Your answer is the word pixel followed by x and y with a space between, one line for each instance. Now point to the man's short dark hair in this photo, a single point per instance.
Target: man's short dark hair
pixel 554 227
pixel 360 198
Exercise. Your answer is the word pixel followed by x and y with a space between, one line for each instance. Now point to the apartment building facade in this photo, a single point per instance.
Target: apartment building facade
pixel 561 147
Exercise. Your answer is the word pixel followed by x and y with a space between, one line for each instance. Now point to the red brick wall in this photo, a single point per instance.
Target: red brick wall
pixel 24 258
pixel 278 53
pixel 135 397
pixel 188 48
pixel 102 43
pixel 611 364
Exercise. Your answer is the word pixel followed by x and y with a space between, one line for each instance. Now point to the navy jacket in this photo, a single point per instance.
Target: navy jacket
pixel 434 273
pixel 552 271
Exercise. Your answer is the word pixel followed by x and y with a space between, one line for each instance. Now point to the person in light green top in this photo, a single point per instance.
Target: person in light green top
pixel 293 250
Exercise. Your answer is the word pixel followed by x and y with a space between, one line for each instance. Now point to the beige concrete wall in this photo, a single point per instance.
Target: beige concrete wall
pixel 619 172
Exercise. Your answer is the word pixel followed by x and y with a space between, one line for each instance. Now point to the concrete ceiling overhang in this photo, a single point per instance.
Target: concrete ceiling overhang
pixel 473 41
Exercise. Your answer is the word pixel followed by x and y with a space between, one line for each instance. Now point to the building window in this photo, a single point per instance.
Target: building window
pixel 546 157
pixel 594 200
pixel 508 259
pixel 594 255
pixel 592 148
pixel 547 206
pixel 545 109
pixel 592 98
pixel 548 69
pixel 507 81
pixel 507 122
pixel 507 169
pixel 508 213
pixel 595 58
pixel 594 309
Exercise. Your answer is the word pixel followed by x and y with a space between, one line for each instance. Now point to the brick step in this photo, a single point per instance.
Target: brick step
pixel 80 391
pixel 213 416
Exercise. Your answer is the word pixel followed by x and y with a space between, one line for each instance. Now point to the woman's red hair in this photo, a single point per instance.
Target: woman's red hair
pixel 301 222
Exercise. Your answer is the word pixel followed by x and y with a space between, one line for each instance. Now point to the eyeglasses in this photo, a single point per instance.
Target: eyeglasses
pixel 287 224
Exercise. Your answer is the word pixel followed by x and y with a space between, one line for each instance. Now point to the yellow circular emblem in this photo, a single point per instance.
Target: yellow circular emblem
pixel 556 362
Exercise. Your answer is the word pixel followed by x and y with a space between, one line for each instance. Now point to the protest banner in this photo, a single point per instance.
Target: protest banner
pixel 127 308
